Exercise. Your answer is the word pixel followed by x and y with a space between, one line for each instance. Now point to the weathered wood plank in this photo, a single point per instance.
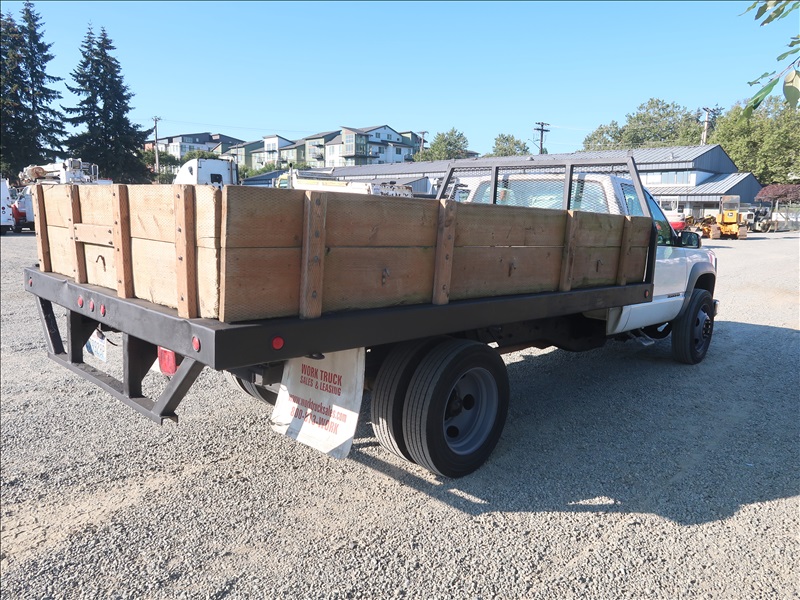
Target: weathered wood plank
pixel 313 255
pixel 445 242
pixel 208 213
pixel 122 242
pixel 208 282
pixel 40 220
pixel 102 235
pixel 594 267
pixel 496 271
pixel 61 250
pixel 624 251
pixel 97 204
pixel 185 251
pixel 487 225
pixel 57 205
pixel 152 212
pixel 568 251
pixel 261 217
pixel 100 267
pixel 78 254
pixel 375 221
pixel 373 277
pixel 259 282
pixel 154 271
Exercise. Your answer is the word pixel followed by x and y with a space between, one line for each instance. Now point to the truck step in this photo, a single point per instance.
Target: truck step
pixel 641 337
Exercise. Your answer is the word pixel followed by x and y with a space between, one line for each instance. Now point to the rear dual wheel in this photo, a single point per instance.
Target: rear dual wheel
pixel 452 412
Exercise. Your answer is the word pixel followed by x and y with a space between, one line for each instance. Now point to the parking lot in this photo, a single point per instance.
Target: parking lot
pixel 620 474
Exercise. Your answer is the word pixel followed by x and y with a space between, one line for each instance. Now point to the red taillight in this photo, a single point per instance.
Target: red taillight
pixel 277 342
pixel 196 344
pixel 167 361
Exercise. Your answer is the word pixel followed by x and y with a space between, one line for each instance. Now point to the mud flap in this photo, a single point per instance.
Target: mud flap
pixel 319 400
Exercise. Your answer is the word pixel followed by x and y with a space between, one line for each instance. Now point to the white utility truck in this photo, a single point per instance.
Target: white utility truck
pixel 325 294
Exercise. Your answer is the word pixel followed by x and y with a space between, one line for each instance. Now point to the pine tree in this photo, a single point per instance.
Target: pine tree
pixel 108 139
pixel 44 124
pixel 12 81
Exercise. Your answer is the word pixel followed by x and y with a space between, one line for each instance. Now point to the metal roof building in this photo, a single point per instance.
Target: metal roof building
pixel 687 178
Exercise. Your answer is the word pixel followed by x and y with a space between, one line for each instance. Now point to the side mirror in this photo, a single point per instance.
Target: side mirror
pixel 690 239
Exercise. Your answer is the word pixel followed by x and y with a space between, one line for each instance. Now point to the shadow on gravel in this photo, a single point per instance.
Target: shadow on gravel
pixel 625 429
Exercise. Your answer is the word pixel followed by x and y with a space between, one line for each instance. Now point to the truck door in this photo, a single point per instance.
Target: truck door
pixel 670 273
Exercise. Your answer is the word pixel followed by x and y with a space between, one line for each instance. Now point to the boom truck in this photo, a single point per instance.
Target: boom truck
pixel 70 171
pixel 325 294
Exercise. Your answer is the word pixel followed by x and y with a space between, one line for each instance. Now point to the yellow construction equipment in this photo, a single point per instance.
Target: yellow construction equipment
pixel 728 218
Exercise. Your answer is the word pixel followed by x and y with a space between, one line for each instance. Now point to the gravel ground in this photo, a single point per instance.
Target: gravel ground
pixel 620 474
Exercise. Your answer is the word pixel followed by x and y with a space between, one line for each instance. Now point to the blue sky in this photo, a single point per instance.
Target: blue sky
pixel 249 69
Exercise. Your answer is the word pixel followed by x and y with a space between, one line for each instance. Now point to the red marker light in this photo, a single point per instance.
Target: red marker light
pixel 102 310
pixel 277 342
pixel 196 343
pixel 80 301
pixel 91 305
pixel 30 282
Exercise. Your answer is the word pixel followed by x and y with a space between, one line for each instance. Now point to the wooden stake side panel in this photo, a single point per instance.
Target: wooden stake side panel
pixel 128 237
pixel 378 251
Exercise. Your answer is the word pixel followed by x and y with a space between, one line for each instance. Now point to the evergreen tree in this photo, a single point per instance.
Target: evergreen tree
pixel 12 81
pixel 108 138
pixel 43 123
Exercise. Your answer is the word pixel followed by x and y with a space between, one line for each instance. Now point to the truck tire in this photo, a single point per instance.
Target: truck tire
pixel 692 331
pixel 265 394
pixel 389 393
pixel 456 407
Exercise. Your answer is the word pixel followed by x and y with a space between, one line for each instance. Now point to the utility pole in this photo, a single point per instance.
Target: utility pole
pixel 541 129
pixel 422 143
pixel 709 112
pixel 155 146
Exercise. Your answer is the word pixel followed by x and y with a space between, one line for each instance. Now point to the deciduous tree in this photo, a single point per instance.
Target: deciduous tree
pixel 772 11
pixel 508 145
pixel 655 123
pixel 767 144
pixel 445 146
pixel 779 193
